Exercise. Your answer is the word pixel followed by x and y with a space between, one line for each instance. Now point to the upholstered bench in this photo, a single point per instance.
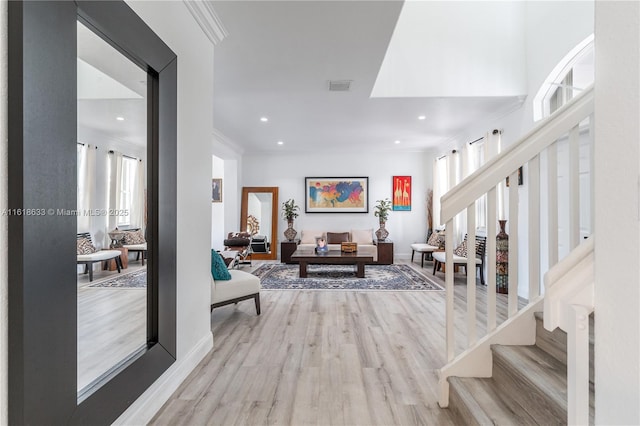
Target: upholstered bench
pixel 134 241
pixel 424 249
pixel 87 254
pixel 100 256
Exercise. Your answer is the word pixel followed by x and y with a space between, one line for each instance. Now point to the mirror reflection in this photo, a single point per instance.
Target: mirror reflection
pixel 111 212
pixel 259 217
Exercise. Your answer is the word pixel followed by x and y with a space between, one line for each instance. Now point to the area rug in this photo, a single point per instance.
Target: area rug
pixel 276 276
pixel 137 279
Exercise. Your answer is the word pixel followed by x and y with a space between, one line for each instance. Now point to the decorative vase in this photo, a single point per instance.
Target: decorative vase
pixel 382 233
pixel 290 233
pixel 502 259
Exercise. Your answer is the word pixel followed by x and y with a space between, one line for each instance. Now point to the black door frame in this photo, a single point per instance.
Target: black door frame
pixel 42 182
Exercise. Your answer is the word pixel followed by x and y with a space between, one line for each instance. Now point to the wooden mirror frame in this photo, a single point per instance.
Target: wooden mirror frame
pixel 273 241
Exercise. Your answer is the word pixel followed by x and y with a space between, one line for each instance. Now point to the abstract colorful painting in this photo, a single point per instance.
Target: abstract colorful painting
pixel 337 195
pixel 402 193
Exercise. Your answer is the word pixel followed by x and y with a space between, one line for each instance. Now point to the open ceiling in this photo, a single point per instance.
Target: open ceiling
pixel 279 57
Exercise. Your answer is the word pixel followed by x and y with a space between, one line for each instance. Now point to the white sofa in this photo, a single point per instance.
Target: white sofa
pixel 308 237
pixel 241 286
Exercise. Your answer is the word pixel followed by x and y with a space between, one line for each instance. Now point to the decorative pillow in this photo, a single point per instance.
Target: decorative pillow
pixel 84 246
pixel 134 237
pixel 461 250
pixel 434 238
pixel 310 236
pixel 337 237
pixel 219 270
pixel 362 236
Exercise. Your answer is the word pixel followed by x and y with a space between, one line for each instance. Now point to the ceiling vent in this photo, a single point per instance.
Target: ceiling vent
pixel 339 85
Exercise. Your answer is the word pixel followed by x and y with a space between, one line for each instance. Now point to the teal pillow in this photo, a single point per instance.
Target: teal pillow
pixel 218 268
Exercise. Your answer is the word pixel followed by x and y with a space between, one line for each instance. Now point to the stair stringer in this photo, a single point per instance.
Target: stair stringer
pixel 477 361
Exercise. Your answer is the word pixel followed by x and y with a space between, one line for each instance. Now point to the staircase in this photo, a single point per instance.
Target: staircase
pixel 518 372
pixel 529 384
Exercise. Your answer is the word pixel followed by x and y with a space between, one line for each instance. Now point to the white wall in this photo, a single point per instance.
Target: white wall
pixel 231 154
pixel 4 284
pixel 465 48
pixel 287 171
pixel 217 209
pixel 174 24
pixel 617 316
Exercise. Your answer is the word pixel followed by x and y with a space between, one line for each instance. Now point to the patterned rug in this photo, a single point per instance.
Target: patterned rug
pixel 137 279
pixel 276 276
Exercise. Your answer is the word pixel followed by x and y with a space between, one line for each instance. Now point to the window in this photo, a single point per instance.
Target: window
pixel 574 73
pixel 475 159
pixel 127 184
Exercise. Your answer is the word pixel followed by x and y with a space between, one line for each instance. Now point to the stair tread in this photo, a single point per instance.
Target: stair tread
pixel 485 403
pixel 537 369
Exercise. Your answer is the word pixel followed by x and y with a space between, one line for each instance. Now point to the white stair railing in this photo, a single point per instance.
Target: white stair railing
pixel 537 152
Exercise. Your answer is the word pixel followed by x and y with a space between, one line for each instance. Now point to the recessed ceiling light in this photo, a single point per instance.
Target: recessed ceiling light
pixel 422 117
pixel 264 119
pixel 280 143
pixel 120 118
pixel 396 142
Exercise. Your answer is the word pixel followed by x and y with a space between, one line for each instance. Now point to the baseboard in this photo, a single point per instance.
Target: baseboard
pixel 147 405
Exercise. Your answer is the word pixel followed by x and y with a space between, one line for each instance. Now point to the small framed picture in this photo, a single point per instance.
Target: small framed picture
pixel 402 193
pixel 216 190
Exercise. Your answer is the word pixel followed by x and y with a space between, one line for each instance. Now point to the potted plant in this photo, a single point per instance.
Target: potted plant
pixel 290 212
pixel 381 211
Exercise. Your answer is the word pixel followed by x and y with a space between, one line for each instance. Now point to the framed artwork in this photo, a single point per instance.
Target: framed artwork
pixel 336 195
pixel 520 182
pixel 402 193
pixel 216 190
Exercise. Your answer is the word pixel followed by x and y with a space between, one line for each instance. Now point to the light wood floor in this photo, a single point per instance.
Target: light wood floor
pixel 112 324
pixel 323 358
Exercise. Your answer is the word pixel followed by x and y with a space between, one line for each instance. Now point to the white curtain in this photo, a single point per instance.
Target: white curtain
pixel 440 187
pixel 137 199
pixel 115 182
pixel 86 185
pixel 475 158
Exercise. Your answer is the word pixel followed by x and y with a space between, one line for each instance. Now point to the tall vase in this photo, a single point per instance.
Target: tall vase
pixel 290 233
pixel 502 259
pixel 382 233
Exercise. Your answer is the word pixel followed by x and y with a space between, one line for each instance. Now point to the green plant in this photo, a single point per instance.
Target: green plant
pixel 382 209
pixel 289 209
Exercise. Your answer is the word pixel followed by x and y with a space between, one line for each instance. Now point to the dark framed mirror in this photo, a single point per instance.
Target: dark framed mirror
pixel 43 141
pixel 259 217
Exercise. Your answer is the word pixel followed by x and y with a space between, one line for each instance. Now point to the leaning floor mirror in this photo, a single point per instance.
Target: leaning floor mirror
pixel 259 217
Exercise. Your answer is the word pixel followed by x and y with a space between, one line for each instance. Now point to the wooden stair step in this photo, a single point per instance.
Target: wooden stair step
pixel 533 379
pixel 555 342
pixel 480 402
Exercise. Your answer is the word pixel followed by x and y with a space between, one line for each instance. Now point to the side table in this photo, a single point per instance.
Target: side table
pixel 286 250
pixel 385 252
pixel 124 259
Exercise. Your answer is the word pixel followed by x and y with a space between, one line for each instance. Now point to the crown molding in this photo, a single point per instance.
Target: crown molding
pixel 204 14
pixel 225 146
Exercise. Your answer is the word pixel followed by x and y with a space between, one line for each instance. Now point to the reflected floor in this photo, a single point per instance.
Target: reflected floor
pixel 112 324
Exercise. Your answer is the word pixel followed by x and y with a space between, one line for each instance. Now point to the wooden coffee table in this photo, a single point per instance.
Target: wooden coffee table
pixel 334 257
